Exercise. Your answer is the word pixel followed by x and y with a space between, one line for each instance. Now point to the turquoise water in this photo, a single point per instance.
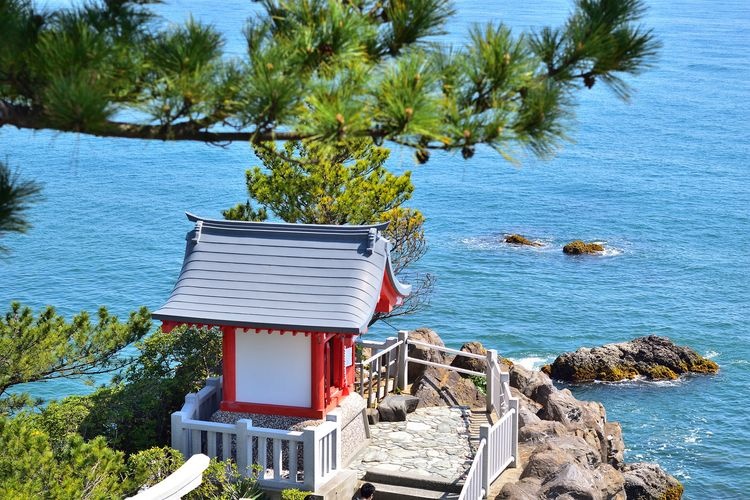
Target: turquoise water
pixel 662 181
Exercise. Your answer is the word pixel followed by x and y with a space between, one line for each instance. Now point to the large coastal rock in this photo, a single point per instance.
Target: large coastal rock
pixel 443 387
pixel 473 364
pixel 652 357
pixel 579 247
pixel 644 481
pixel 426 336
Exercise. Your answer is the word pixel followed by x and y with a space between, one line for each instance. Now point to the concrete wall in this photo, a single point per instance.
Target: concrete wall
pixel 273 369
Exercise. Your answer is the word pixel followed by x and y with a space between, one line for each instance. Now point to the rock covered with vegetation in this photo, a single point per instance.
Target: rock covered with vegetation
pixel 580 247
pixel 517 239
pixel 652 357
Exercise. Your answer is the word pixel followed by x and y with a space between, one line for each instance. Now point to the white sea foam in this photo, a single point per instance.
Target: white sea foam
pixel 710 354
pixel 532 362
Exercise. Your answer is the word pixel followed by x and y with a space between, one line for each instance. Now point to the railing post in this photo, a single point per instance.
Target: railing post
pixel 311 453
pixel 403 364
pixel 178 433
pixel 484 435
pixel 244 454
pixel 514 439
pixel 335 417
pixel 491 357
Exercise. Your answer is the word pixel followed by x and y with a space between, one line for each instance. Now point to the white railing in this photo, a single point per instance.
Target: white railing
pixel 474 486
pixel 377 372
pixel 498 448
pixel 498 445
pixel 304 459
pixel 178 484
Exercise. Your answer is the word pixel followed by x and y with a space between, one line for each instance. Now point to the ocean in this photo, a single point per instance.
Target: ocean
pixel 661 181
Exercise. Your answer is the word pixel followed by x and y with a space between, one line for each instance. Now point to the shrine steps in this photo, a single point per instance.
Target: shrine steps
pixel 391 486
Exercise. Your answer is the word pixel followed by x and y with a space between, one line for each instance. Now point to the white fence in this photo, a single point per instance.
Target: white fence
pixel 178 484
pixel 498 446
pixel 304 459
pixel 309 458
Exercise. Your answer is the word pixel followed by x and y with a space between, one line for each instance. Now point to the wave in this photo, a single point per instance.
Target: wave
pixel 533 362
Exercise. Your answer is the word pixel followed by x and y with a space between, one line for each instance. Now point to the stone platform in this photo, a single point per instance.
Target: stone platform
pixel 433 444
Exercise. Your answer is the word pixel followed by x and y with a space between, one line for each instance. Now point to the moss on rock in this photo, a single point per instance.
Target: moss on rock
pixel 660 372
pixel 674 492
pixel 704 365
pixel 579 247
pixel 517 239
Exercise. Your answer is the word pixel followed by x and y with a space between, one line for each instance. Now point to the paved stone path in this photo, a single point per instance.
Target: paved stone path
pixel 432 442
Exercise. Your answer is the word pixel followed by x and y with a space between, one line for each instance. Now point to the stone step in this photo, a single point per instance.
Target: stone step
pixel 413 480
pixel 385 491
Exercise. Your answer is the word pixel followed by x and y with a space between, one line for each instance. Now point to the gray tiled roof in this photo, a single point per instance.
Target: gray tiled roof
pixel 281 276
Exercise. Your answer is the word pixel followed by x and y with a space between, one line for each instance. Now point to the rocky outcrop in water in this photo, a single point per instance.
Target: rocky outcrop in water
pixel 653 357
pixel 579 247
pixel 517 239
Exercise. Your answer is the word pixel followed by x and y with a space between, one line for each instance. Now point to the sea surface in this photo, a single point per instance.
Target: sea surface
pixel 662 181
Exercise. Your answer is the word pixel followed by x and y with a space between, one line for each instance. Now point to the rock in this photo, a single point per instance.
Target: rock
pixel 652 357
pixel 426 336
pixel 517 239
pixel 540 432
pixel 373 416
pixel 611 482
pixel 615 450
pixel 476 365
pixel 579 247
pixel 395 407
pixel 527 381
pixel 574 480
pixel 563 407
pixel 527 408
pixel 647 481
pixel 525 489
pixel 442 387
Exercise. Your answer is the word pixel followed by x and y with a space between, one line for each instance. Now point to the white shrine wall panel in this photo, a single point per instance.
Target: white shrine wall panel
pixel 272 368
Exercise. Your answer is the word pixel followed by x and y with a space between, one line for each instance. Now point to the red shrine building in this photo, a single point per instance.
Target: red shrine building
pixel 289 300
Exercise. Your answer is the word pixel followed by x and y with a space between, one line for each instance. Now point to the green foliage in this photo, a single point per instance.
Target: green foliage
pixel 294 494
pixel 345 183
pixel 48 347
pixel 133 413
pixel 148 467
pixel 222 481
pixel 479 382
pixel 314 69
pixel 31 468
pixel 16 197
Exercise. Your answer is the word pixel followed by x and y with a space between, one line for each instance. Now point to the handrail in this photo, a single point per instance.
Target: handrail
pixel 473 487
pixel 179 483
pixel 441 365
pixel 381 353
pixel 448 350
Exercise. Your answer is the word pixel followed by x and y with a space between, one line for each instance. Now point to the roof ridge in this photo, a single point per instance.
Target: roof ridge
pixel 291 227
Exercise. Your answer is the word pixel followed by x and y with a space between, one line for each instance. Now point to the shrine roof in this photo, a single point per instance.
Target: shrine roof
pixel 299 277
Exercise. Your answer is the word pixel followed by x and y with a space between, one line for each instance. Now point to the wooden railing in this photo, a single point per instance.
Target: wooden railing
pixel 298 459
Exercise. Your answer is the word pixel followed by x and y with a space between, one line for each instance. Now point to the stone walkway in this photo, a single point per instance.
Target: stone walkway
pixel 433 442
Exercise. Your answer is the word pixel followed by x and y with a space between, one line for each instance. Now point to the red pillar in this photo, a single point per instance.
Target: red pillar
pixel 317 383
pixel 229 352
